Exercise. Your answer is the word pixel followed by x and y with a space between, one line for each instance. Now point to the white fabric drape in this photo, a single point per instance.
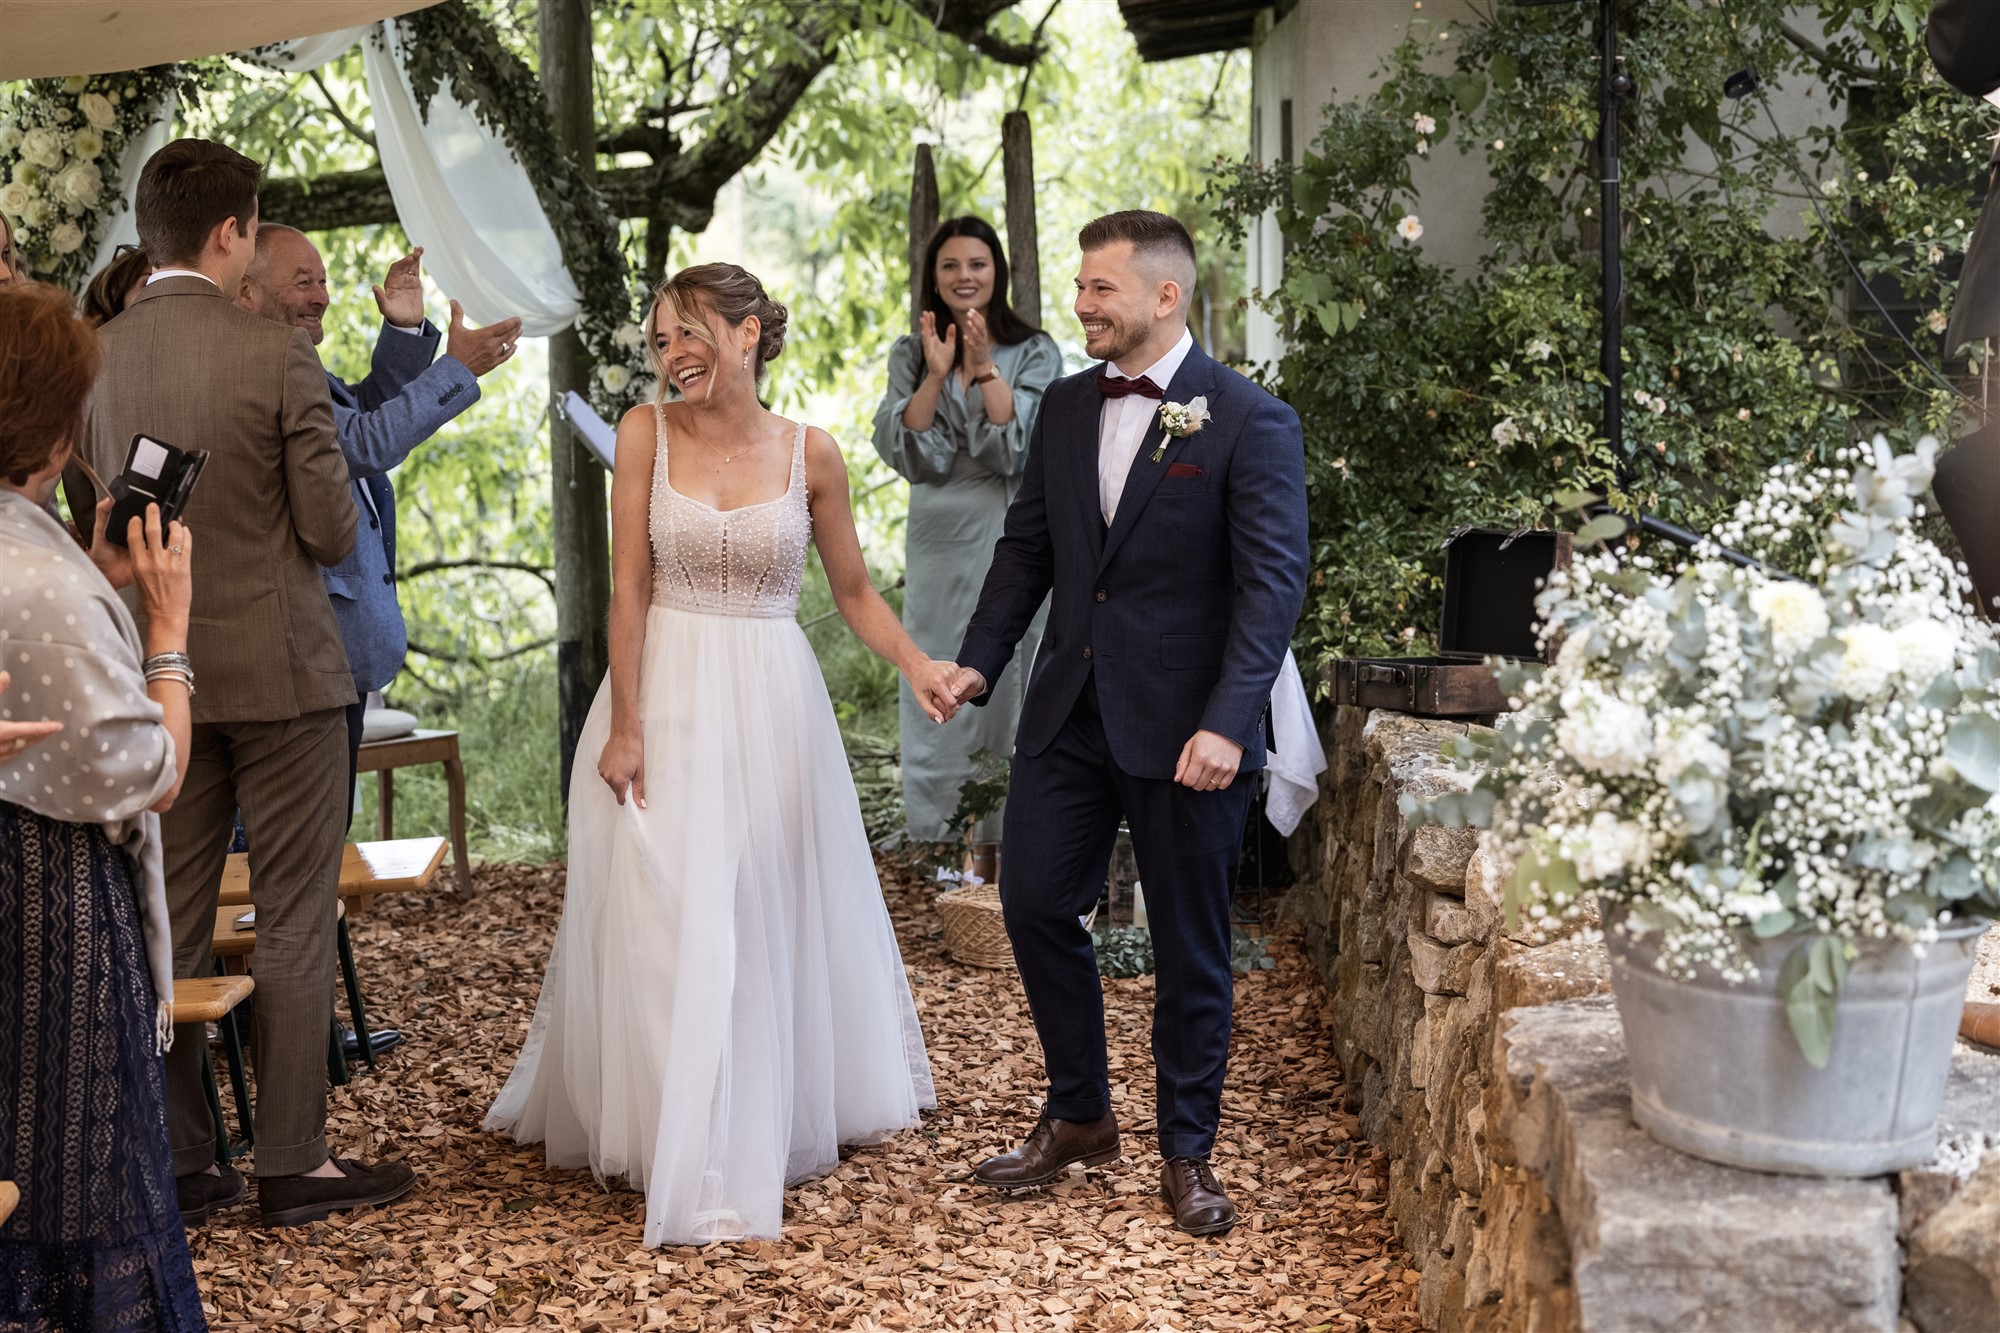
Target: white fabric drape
pixel 124 228
pixel 1297 758
pixel 459 191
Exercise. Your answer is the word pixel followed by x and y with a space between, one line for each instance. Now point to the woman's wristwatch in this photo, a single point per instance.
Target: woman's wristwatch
pixel 992 373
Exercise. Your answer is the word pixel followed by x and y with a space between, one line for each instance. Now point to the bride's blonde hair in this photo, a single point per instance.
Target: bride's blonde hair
pixel 731 292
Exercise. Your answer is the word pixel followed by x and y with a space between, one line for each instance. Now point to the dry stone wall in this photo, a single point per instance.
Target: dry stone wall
pixel 1405 925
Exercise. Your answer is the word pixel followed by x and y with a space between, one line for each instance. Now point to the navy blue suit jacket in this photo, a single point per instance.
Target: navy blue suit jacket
pixel 402 403
pixel 1184 608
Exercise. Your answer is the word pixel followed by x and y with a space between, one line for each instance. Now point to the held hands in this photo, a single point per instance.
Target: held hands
pixel 966 684
pixel 479 350
pixel 1208 762
pixel 400 298
pixel 931 681
pixel 623 765
pixel 939 353
pixel 160 563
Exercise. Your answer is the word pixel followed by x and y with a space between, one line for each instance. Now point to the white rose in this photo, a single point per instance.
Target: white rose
pixel 1870 662
pixel 1540 350
pixel 15 198
pixel 1424 124
pixel 10 137
pixel 42 146
pixel 1795 614
pixel 80 183
pixel 76 83
pixel 629 336
pixel 1679 747
pixel 37 213
pixel 1603 734
pixel 97 109
pixel 87 143
pixel 614 377
pixel 1409 228
pixel 1507 432
pixel 1610 846
pixel 66 239
pixel 1927 650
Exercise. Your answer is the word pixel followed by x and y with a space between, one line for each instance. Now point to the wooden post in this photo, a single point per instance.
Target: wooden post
pixel 1024 255
pixel 582 541
pixel 923 221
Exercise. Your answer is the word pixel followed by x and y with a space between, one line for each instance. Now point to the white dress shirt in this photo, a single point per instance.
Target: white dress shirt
pixel 162 274
pixel 1128 422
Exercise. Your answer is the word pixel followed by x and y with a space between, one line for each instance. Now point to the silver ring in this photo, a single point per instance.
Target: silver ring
pixel 175 549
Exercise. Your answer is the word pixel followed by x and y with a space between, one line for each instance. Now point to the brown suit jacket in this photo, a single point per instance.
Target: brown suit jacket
pixel 184 366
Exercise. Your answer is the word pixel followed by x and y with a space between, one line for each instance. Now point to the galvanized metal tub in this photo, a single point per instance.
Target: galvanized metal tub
pixel 1717 1073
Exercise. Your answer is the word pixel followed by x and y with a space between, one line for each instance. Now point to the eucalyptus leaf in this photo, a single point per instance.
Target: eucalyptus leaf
pixel 1603 528
pixel 1808 1008
pixel 1972 748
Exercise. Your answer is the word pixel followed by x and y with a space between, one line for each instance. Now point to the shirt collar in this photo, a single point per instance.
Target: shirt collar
pixel 159 275
pixel 1162 372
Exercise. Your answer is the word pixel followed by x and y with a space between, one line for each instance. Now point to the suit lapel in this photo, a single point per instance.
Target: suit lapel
pixel 1085 454
pixel 1196 376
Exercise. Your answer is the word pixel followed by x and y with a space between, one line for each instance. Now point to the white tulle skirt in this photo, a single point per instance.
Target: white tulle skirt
pixel 725 1004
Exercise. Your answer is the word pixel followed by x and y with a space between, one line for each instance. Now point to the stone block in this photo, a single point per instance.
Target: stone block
pixel 1435 858
pixel 1661 1241
pixel 1448 920
pixel 1527 974
pixel 1441 970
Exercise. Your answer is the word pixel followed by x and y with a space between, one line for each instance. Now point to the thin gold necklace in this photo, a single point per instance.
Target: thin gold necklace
pixel 702 440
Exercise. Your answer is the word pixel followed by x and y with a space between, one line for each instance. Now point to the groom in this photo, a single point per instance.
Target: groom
pixel 1174 547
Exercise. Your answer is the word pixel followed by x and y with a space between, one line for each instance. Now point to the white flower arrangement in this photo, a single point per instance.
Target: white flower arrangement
pixel 1728 752
pixel 60 141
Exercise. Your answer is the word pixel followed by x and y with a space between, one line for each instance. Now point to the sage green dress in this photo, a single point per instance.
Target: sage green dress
pixel 963 472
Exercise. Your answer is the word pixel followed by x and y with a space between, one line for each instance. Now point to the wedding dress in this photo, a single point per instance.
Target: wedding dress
pixel 725 1003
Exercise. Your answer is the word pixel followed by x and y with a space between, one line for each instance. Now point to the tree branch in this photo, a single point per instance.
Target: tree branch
pixel 361 199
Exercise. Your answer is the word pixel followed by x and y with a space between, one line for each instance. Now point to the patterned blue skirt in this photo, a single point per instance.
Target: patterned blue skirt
pixel 97 1241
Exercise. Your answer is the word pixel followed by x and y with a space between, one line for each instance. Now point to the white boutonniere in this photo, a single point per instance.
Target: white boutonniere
pixel 1181 420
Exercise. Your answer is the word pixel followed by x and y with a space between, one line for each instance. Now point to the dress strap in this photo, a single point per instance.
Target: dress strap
pixel 799 456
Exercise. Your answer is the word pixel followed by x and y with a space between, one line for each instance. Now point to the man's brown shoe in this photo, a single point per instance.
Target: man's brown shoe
pixel 290 1201
pixel 1980 1025
pixel 1054 1147
pixel 1200 1207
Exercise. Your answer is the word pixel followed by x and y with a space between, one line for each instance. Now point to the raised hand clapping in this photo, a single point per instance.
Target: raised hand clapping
pixel 978 344
pixel 940 354
pixel 479 350
pixel 400 297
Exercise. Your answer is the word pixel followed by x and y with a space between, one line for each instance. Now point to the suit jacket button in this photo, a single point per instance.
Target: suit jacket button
pixel 376 523
pixel 1086 650
pixel 1101 594
pixel 385 578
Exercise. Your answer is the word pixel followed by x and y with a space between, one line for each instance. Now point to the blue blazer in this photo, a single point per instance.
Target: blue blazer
pixel 1184 608
pixel 402 403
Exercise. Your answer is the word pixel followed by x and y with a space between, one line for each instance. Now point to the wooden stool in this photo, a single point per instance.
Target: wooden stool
pixel 420 747
pixel 214 1000
pixel 232 946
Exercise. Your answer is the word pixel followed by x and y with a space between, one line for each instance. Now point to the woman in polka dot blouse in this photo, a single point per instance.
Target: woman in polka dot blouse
pixel 86 960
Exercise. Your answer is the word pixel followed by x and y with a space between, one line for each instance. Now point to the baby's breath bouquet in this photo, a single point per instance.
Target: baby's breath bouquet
pixel 1720 752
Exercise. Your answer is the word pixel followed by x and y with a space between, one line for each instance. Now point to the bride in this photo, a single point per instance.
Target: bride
pixel 725 1004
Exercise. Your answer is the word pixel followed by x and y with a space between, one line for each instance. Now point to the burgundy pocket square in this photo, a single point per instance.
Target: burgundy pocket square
pixel 1183 470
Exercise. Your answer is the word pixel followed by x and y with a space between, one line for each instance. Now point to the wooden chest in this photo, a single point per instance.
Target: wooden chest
pixel 1491 577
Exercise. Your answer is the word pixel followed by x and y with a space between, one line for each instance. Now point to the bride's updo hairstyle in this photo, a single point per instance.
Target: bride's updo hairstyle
pixel 730 291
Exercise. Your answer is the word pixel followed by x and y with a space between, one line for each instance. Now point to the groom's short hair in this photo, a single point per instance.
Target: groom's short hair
pixel 186 189
pixel 1157 240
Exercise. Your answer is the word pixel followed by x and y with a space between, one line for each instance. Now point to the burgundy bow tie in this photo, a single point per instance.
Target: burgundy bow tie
pixel 1117 386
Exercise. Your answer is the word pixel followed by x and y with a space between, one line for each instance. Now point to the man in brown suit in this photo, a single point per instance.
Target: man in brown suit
pixel 184 365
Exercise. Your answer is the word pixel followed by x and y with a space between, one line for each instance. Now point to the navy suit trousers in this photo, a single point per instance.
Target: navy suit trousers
pixel 1063 810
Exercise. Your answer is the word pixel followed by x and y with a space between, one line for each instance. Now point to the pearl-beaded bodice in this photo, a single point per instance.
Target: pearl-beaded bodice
pixel 733 562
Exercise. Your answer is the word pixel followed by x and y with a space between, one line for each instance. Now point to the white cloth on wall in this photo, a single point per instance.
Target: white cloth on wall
pixel 1297 758
pixel 124 228
pixel 459 190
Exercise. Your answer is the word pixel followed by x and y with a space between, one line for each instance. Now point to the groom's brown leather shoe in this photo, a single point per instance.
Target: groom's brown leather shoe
pixel 1055 1146
pixel 1200 1207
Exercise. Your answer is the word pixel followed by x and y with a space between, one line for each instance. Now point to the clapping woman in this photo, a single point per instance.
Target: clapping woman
pixel 962 396
pixel 86 954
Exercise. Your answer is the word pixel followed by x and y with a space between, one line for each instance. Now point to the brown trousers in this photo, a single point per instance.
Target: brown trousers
pixel 290 780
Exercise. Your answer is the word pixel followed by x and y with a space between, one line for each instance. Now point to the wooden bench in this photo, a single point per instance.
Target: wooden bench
pixel 10 1195
pixel 214 1000
pixel 405 865
pixel 420 747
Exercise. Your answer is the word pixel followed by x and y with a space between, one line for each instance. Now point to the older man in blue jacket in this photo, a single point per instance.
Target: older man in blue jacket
pixel 406 398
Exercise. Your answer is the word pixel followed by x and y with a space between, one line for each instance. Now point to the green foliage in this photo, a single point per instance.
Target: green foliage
pixel 1433 399
pixel 1123 951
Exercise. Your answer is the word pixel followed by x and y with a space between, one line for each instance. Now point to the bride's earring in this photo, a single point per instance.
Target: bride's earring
pixel 746 360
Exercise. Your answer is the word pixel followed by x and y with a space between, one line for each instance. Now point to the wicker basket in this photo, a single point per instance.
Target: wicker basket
pixel 973 930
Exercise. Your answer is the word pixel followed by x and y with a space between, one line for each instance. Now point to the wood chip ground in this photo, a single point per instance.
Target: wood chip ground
pixel 896 1238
